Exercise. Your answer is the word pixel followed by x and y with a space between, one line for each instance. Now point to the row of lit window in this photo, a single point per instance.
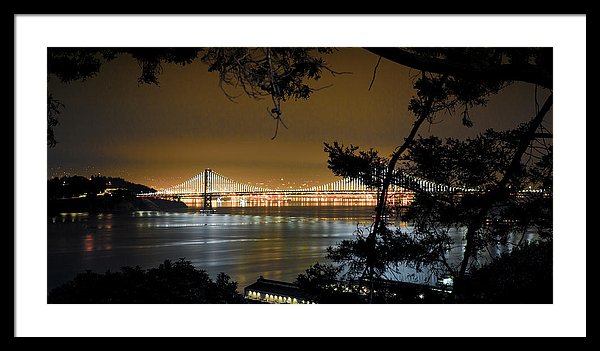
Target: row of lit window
pixel 275 298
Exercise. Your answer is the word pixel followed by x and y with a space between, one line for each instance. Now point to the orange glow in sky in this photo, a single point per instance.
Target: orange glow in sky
pixel 162 135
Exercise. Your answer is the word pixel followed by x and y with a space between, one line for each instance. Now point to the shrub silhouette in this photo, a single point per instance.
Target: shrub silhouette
pixel 171 282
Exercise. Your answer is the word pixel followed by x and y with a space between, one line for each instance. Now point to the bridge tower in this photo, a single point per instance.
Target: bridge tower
pixel 207 190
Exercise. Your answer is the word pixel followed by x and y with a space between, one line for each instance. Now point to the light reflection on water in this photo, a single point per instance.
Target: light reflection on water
pixel 278 243
pixel 244 242
pixel 285 200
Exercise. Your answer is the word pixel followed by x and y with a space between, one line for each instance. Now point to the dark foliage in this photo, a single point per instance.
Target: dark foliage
pixel 350 162
pixel 279 72
pixel 72 64
pixel 521 276
pixel 478 162
pixel 490 65
pixel 322 283
pixel 171 282
pixel 54 107
pixel 477 165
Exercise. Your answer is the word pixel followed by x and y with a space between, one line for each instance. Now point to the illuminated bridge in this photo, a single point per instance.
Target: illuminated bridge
pixel 209 184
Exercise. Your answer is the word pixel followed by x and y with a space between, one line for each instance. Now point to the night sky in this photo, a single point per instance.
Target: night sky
pixel 162 135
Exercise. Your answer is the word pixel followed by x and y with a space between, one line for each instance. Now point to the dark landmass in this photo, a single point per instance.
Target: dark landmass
pixel 74 186
pixel 102 194
pixel 112 203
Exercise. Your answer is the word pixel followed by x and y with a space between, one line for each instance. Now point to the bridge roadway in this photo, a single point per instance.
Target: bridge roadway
pixel 262 193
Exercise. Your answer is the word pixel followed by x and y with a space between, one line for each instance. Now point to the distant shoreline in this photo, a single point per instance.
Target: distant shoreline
pixel 107 204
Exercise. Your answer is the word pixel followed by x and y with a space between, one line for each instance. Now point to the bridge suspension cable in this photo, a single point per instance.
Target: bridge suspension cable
pixel 211 182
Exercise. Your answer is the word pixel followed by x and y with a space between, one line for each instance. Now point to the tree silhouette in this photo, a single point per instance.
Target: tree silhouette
pixel 498 283
pixel 530 65
pixel 493 218
pixel 54 107
pixel 170 282
pixel 457 80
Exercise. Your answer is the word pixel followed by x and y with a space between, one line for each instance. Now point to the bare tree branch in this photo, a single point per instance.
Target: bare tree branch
pixel 374 73
pixel 507 72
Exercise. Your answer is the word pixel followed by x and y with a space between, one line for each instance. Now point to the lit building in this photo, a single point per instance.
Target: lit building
pixel 273 291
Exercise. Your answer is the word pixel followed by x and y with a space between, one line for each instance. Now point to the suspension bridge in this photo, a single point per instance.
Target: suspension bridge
pixel 209 184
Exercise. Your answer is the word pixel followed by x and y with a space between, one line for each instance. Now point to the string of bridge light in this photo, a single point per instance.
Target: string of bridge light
pixel 218 183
